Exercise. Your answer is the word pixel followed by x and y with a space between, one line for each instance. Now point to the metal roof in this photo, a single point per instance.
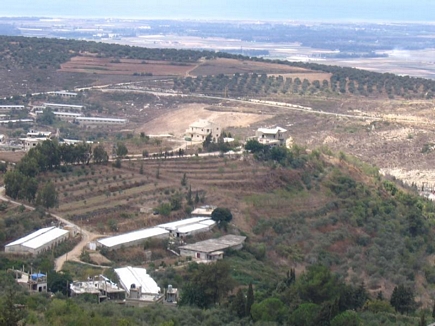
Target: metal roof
pixel 178 224
pixel 137 276
pixel 132 236
pixel 196 227
pixel 39 238
pixel 63 105
pixel 99 119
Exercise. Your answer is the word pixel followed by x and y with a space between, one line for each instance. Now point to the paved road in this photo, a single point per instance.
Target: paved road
pixel 74 254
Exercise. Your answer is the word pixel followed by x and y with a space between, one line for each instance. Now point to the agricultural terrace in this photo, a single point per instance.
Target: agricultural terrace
pixel 108 199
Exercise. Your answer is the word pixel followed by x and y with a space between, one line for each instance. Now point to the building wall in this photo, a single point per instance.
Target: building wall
pixel 20 249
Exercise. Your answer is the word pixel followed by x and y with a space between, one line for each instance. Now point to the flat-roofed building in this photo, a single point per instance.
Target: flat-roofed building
pixel 132 238
pixel 271 136
pixel 63 94
pixel 30 142
pixel 99 286
pixel 199 130
pixel 9 108
pixel 213 249
pixel 100 121
pixel 66 116
pixel 139 286
pixel 38 134
pixel 20 121
pixel 203 211
pixel 38 241
pixel 58 107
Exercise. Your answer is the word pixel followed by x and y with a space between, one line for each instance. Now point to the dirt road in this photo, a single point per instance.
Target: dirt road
pixel 74 254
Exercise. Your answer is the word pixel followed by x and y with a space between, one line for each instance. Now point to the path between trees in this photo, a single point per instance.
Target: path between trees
pixel 74 254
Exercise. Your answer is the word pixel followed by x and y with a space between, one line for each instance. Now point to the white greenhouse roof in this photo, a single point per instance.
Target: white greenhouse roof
pixel 99 119
pixel 178 224
pixel 195 227
pixel 71 114
pixel 63 105
pixel 39 238
pixel 137 276
pixel 132 236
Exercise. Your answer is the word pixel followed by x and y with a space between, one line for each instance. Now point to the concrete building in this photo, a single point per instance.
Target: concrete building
pixel 38 134
pixel 199 130
pixel 171 294
pixel 100 121
pixel 132 238
pixel 203 211
pixel 63 107
pixel 140 288
pixel 63 94
pixel 19 121
pixel 99 286
pixel 271 136
pixel 39 241
pixel 212 249
pixel 30 142
pixel 66 116
pixel 9 108
pixel 33 282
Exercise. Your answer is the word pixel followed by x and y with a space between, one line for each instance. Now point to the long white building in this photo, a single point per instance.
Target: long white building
pixel 63 107
pixel 100 121
pixel 37 242
pixel 132 238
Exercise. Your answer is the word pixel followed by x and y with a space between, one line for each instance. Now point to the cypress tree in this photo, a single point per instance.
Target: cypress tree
pixel 249 299
pixel 239 304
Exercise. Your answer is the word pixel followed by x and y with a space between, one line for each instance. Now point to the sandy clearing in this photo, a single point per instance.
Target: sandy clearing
pixel 178 121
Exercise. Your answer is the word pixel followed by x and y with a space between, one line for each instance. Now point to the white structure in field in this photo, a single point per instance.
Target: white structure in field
pixel 213 249
pixel 188 226
pixel 199 130
pixel 271 136
pixel 39 134
pixel 132 238
pixel 66 116
pixel 100 121
pixel 181 228
pixel 138 285
pixel 39 241
pixel 8 108
pixel 64 94
pixel 63 107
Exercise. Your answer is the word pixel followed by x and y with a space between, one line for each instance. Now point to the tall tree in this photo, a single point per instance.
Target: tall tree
pixel 121 149
pixel 10 314
pixel 249 299
pixel 100 154
pixel 222 216
pixel 47 196
pixel 239 304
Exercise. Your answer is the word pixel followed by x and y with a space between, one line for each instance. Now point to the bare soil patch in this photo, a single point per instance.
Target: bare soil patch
pixel 178 121
pixel 112 66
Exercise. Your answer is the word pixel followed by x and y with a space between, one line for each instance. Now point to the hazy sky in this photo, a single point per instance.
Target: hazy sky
pixel 389 10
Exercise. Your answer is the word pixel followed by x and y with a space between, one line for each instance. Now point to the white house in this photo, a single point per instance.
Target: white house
pixel 271 136
pixel 199 130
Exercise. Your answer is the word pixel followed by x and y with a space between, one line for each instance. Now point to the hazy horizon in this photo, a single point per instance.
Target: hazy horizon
pixel 308 10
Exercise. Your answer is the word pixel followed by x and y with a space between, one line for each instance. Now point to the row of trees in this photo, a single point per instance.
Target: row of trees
pixel 23 181
pixel 342 81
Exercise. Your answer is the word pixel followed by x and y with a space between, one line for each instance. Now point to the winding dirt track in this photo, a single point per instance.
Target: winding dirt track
pixel 74 254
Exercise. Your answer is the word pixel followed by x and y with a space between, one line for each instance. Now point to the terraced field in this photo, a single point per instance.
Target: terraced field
pixel 97 195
